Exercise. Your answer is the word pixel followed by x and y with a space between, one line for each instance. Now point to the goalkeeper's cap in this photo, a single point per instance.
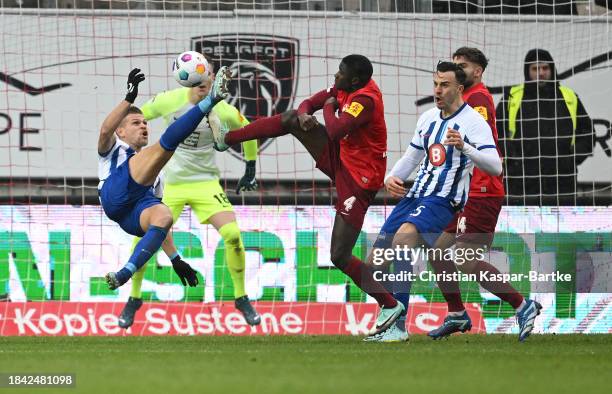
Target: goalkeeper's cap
pixel 360 67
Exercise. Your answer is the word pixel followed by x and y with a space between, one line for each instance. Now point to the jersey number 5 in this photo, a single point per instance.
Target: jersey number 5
pixel 417 211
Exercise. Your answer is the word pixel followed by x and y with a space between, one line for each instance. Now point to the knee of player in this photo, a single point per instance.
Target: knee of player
pixel 231 235
pixel 371 259
pixel 232 241
pixel 162 218
pixel 408 235
pixel 403 240
pixel 340 258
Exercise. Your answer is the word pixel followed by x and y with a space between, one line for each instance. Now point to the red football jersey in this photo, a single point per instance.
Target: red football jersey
pixel 482 184
pixel 364 151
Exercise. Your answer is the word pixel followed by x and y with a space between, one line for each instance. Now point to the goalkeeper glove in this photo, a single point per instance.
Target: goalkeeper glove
pixel 134 79
pixel 248 182
pixel 184 272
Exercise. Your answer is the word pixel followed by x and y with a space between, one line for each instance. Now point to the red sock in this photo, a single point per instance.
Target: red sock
pixel 449 288
pixel 364 279
pixel 503 290
pixel 261 128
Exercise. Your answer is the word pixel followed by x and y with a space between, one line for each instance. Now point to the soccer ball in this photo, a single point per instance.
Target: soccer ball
pixel 191 69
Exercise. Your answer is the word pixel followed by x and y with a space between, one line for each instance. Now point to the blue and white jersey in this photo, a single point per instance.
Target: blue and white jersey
pixel 116 156
pixel 446 171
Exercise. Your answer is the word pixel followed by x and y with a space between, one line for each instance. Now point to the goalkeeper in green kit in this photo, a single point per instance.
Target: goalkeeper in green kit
pixel 191 178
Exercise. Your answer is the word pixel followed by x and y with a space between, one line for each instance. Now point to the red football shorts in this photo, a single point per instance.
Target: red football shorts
pixel 476 223
pixel 353 201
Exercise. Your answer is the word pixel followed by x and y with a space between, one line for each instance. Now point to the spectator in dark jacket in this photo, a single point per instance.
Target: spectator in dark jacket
pixel 544 132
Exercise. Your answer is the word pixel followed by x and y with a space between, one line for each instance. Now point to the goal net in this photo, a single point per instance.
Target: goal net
pixel 64 67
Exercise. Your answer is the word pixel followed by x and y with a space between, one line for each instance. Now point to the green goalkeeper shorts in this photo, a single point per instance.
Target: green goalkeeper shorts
pixel 205 198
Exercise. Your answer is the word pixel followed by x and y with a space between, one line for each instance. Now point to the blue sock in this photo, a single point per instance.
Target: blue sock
pixel 383 241
pixel 185 125
pixel 206 104
pixel 401 289
pixel 145 248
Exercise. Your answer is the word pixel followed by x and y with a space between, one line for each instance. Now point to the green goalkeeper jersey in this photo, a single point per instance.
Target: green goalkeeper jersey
pixel 194 159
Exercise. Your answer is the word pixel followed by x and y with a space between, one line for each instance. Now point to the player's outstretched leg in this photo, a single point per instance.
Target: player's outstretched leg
pixel 457 319
pixel 147 164
pixel 343 240
pixel 397 331
pixel 526 310
pixel 400 289
pixel 406 235
pixel 234 255
pixel 134 303
pixel 268 127
pixel 126 318
pixel 157 220
pixel 314 140
pixel 148 245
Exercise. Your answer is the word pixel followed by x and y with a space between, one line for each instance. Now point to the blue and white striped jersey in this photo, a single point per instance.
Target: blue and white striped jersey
pixel 446 171
pixel 116 156
pixel 108 162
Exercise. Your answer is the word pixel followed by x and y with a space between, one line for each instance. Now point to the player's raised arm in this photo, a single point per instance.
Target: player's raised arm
pixel 356 114
pixel 312 105
pixel 106 140
pixel 316 101
pixel 249 149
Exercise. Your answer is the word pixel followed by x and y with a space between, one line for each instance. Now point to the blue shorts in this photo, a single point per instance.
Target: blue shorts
pixel 123 200
pixel 429 214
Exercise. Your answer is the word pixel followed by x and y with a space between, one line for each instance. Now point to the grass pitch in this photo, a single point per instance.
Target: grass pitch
pixel 463 364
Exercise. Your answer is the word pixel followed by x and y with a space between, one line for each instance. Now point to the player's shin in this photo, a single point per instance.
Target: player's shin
pixel 402 269
pixel 181 128
pixel 146 247
pixel 234 255
pixel 261 128
pixel 363 277
pixel 503 290
pixel 449 287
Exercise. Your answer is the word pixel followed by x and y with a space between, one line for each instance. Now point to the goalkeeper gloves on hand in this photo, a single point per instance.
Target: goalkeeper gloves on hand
pixel 185 272
pixel 248 181
pixel 134 79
